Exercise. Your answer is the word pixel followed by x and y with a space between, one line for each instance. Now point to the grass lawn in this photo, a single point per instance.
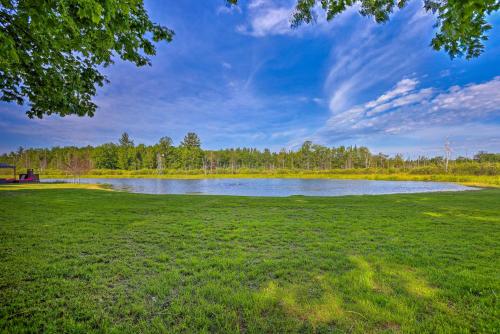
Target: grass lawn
pixel 83 260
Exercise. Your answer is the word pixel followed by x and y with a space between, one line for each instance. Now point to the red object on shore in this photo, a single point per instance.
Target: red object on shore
pixel 29 177
pixel 28 180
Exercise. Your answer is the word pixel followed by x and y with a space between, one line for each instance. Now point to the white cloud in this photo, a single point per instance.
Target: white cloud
pixel 478 98
pixel 405 108
pixel 399 100
pixel 267 20
pixel 318 100
pixel 465 140
pixel 367 56
pixel 256 3
pixel 273 17
pixel 228 10
pixel 402 87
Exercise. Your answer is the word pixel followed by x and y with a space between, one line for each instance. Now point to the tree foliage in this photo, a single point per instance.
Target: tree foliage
pixel 165 143
pixel 126 154
pixel 125 140
pixel 164 156
pixel 106 156
pixel 191 140
pixel 52 52
pixel 487 157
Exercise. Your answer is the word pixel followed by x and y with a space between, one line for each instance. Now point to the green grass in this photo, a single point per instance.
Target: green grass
pixel 80 261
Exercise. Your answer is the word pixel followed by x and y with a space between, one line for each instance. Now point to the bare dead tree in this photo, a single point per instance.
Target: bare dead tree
pixel 159 163
pixel 77 166
pixel 447 150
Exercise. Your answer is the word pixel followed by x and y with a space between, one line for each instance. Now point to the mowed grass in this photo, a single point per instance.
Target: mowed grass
pixel 81 261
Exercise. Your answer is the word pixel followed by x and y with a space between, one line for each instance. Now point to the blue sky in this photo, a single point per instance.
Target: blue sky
pixel 242 77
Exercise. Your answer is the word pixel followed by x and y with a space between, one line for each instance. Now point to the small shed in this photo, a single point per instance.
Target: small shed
pixel 7 166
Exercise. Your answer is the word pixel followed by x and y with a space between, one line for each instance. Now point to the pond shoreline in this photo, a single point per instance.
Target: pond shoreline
pixel 269 187
pixel 482 181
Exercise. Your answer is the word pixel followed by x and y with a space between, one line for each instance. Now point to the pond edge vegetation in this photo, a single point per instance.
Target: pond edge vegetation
pixel 189 161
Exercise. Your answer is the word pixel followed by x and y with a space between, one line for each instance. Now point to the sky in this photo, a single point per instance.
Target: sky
pixel 241 77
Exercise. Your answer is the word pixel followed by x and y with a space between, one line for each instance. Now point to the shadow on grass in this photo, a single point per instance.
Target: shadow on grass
pixel 370 296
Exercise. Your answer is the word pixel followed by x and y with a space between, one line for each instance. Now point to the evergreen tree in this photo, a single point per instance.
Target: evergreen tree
pixel 125 152
pixel 191 140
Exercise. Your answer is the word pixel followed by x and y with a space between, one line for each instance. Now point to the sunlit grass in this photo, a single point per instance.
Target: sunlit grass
pixel 42 186
pixel 79 260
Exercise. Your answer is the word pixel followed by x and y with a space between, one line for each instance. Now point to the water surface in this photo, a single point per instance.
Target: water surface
pixel 272 187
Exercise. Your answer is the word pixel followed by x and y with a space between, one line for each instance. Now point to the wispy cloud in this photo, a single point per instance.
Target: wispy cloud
pixel 371 55
pixel 407 108
pixel 267 20
pixel 232 115
pixel 257 3
pixel 226 9
pixel 402 88
pixel 273 17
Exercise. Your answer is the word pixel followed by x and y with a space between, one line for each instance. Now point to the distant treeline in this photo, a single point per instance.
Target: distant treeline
pixel 190 157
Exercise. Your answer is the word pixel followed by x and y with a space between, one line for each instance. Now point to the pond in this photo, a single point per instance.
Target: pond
pixel 272 187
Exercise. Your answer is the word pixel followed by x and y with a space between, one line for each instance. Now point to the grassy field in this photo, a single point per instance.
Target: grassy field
pixel 86 260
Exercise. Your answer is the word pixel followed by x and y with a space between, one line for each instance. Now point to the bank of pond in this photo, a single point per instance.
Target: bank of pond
pixel 274 187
